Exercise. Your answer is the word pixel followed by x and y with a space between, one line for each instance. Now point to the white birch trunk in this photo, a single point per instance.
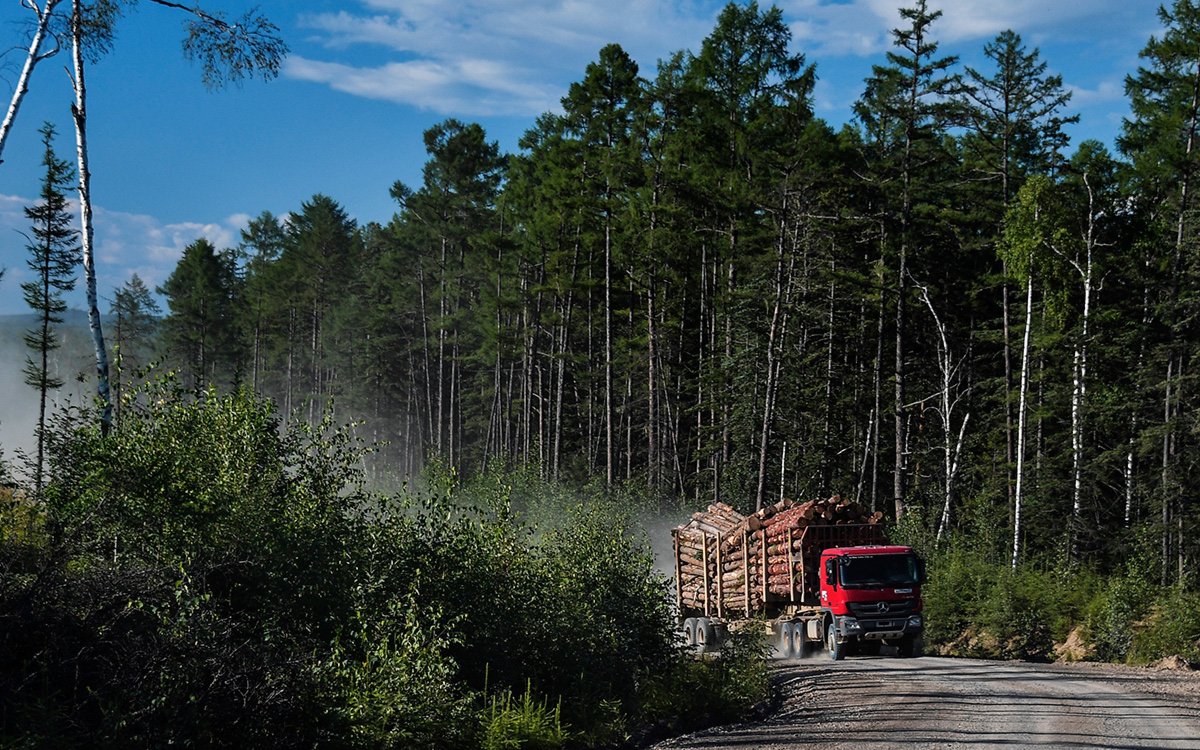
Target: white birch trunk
pixel 32 58
pixel 1018 491
pixel 87 234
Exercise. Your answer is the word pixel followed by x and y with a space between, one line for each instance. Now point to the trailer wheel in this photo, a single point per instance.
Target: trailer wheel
pixel 689 631
pixel 706 635
pixel 784 640
pixel 837 651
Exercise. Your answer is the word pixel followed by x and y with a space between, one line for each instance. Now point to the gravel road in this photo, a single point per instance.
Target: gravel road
pixel 881 702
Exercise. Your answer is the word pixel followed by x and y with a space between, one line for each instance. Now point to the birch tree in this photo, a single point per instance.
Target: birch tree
pixel 1090 185
pixel 1028 234
pixel 227 53
pixel 44 15
pixel 1014 115
pixel 951 396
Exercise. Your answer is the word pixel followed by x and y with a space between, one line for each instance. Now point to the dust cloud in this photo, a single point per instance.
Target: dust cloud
pixel 19 402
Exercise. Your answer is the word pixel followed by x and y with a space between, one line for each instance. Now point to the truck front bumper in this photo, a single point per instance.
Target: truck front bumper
pixel 879 628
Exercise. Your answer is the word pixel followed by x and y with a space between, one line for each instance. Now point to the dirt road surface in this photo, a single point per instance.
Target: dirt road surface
pixel 881 702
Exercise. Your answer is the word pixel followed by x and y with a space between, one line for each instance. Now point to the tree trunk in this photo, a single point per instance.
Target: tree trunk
pixel 32 58
pixel 772 339
pixel 1018 495
pixel 87 233
pixel 898 475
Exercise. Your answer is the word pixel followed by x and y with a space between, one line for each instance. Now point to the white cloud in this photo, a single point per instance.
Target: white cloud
pixel 1106 92
pixel 517 57
pixel 482 57
pixel 480 87
pixel 863 27
pixel 126 243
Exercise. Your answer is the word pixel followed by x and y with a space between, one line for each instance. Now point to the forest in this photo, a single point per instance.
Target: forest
pixel 687 282
pixel 684 288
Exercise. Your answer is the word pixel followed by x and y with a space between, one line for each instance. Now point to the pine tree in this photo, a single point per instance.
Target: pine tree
pixel 198 333
pixel 54 256
pixel 905 112
pixel 1161 140
pixel 1015 119
pixel 135 313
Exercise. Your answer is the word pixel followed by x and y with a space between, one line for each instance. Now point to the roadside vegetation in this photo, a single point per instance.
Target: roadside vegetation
pixel 1047 609
pixel 208 575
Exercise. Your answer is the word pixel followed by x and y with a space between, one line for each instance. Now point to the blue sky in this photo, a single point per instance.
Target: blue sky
pixel 173 162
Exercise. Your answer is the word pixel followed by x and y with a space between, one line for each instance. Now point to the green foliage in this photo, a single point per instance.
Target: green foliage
pixel 523 723
pixel 1171 629
pixel 981 607
pixel 208 574
pixel 699 692
pixel 396 686
pixel 1113 616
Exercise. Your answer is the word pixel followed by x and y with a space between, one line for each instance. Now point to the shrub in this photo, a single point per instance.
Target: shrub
pixel 523 723
pixel 1172 628
pixel 695 693
pixel 207 575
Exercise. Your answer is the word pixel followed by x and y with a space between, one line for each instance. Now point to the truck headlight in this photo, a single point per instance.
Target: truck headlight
pixel 915 621
pixel 850 625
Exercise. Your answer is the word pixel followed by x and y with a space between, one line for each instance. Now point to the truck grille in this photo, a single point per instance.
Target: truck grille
pixel 871 609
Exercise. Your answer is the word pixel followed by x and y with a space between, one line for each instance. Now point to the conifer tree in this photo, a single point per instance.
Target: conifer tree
pixel 198 333
pixel 905 110
pixel 54 256
pixel 1015 119
pixel 135 315
pixel 1161 139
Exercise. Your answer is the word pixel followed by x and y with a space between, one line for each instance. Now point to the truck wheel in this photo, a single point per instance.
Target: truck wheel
pixel 837 651
pixel 912 646
pixel 784 640
pixel 706 635
pixel 799 641
pixel 689 632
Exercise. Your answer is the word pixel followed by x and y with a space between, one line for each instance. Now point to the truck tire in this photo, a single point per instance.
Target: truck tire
pixel 799 641
pixel 689 632
pixel 912 646
pixel 837 651
pixel 784 640
pixel 706 635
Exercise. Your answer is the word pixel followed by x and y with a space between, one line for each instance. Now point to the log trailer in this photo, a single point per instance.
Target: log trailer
pixel 819 574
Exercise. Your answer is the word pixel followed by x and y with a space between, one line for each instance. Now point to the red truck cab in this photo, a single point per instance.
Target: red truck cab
pixel 871 595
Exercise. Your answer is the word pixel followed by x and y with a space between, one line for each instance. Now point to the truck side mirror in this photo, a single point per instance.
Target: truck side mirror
pixel 831 573
pixel 920 570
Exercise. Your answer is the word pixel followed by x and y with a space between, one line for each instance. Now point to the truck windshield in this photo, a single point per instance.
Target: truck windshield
pixel 879 570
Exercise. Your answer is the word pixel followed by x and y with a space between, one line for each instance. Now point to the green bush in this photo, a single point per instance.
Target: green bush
pixel 1171 628
pixel 523 723
pixel 1113 615
pixel 207 575
pixel 982 608
pixel 695 693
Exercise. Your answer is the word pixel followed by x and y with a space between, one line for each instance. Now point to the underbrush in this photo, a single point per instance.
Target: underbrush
pixel 982 608
pixel 207 575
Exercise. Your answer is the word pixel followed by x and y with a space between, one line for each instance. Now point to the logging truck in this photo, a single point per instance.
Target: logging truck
pixel 819 574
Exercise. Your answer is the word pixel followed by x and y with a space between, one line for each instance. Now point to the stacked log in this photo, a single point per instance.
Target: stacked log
pixel 729 562
pixel 699 568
